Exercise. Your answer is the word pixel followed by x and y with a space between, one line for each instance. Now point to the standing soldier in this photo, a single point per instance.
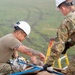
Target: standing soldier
pixel 65 35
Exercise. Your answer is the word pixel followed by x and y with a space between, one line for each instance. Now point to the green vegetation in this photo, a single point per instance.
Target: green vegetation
pixel 42 15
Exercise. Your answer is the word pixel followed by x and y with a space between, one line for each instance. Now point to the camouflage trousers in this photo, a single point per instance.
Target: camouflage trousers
pixel 71 68
pixel 5 68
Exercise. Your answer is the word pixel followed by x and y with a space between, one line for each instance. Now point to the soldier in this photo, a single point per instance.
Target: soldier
pixel 65 35
pixel 12 42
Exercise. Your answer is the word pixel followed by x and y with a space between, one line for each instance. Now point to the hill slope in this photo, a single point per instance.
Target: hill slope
pixel 42 15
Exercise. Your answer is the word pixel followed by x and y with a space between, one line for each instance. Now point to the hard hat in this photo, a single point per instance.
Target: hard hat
pixel 58 2
pixel 24 26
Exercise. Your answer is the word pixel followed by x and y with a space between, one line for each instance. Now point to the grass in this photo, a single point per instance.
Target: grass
pixel 41 15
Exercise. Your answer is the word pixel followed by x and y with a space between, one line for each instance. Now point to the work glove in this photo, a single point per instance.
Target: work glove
pixel 48 67
pixel 67 46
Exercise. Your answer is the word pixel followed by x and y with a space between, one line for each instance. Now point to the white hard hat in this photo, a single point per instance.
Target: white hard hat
pixel 24 26
pixel 58 2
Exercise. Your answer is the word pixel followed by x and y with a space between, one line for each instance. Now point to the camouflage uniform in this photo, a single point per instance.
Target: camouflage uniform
pixel 71 68
pixel 65 32
pixel 5 68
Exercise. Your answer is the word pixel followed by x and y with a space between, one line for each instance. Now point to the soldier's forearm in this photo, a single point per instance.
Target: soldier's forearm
pixel 27 50
pixel 32 52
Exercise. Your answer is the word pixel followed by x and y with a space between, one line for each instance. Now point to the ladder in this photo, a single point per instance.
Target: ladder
pixel 65 56
pixel 59 61
pixel 49 50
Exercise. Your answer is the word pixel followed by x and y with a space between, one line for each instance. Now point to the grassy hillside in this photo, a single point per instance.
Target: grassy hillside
pixel 42 15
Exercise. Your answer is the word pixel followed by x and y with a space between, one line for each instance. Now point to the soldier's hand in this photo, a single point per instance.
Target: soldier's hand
pixel 42 57
pixel 33 59
pixel 52 39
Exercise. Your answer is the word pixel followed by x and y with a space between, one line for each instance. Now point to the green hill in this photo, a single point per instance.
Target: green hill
pixel 42 15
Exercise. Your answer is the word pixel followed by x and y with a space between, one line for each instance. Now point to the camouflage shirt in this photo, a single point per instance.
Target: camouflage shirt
pixel 65 32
